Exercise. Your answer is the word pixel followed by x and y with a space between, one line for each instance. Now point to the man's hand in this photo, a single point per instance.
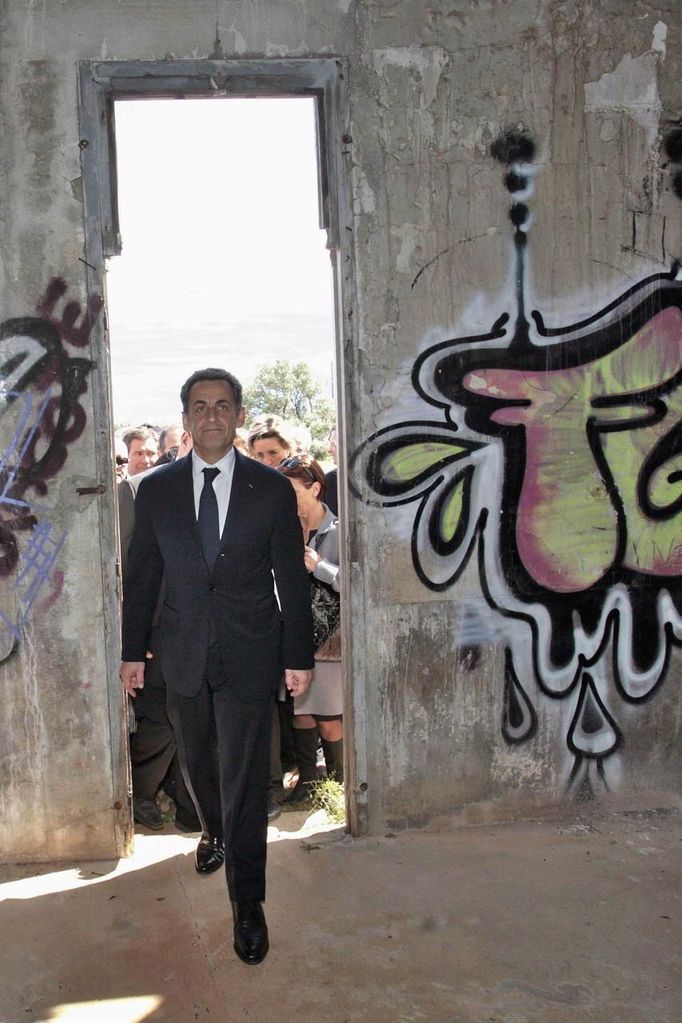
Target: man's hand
pixel 297 681
pixel 131 674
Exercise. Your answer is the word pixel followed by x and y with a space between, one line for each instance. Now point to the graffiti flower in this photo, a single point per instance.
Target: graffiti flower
pixel 561 454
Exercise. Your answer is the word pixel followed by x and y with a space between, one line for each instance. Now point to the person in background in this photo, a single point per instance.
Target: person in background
pixel 153 748
pixel 270 440
pixel 267 442
pixel 241 441
pixel 320 708
pixel 169 443
pixel 301 439
pixel 121 458
pixel 332 477
pixel 170 437
pixel 143 450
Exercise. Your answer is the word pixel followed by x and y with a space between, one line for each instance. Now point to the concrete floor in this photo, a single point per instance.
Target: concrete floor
pixel 553 921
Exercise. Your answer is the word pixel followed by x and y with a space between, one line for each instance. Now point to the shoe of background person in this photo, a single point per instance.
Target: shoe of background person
pixel 301 793
pixel 250 932
pixel 146 812
pixel 210 854
pixel 274 810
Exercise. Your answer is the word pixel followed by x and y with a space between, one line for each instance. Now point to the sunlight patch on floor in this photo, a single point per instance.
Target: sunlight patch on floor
pixel 32 881
pixel 110 1010
pixel 290 826
pixel 149 849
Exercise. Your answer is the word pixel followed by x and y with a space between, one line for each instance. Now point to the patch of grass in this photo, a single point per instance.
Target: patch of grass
pixel 327 795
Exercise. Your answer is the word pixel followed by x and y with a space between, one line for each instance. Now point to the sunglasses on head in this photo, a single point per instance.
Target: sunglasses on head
pixel 296 463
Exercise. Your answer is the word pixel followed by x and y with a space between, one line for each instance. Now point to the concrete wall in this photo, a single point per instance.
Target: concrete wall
pixel 514 557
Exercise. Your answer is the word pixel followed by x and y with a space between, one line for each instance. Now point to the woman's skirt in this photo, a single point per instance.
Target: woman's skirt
pixel 324 695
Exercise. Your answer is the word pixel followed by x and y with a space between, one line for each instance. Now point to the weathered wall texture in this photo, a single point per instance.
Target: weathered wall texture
pixel 515 517
pixel 528 469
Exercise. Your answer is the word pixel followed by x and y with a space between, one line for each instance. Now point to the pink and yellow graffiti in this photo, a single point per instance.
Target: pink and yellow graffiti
pixel 588 433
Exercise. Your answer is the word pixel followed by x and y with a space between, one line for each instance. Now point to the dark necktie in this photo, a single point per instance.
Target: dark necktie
pixel 208 520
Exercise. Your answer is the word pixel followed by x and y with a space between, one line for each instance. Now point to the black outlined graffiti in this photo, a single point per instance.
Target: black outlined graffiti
pixel 559 460
pixel 40 412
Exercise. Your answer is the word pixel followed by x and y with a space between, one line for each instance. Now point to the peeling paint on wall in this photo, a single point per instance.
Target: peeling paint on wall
pixel 428 61
pixel 632 88
pixel 409 237
pixel 363 195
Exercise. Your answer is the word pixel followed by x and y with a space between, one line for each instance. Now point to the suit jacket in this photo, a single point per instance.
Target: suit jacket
pixel 126 519
pixel 262 535
pixel 127 492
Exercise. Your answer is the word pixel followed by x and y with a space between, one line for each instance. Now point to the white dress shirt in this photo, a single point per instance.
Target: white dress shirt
pixel 222 484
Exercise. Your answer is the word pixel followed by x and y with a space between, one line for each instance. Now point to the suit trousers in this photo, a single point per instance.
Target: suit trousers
pixel 224 747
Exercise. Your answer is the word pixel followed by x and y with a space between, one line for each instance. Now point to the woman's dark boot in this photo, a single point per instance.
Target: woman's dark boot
pixel 305 744
pixel 333 758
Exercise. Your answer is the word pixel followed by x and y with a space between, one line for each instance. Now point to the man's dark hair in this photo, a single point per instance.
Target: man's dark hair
pixel 166 430
pixel 211 374
pixel 138 433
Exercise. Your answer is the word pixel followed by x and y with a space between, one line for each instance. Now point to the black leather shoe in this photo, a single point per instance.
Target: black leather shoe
pixel 250 932
pixel 145 811
pixel 210 854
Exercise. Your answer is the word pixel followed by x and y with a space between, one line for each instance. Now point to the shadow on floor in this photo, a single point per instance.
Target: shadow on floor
pixel 519 923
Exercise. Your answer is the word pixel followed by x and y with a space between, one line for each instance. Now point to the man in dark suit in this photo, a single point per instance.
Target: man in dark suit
pixel 218 526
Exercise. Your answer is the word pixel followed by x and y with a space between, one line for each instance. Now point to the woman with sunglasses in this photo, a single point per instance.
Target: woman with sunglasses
pixel 320 710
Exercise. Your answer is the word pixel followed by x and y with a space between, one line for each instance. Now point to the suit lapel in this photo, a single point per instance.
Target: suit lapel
pixel 185 496
pixel 241 496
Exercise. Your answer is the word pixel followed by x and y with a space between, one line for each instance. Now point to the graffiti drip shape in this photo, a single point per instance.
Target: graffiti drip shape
pixel 559 457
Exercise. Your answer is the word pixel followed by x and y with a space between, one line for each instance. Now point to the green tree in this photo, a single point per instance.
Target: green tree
pixel 290 391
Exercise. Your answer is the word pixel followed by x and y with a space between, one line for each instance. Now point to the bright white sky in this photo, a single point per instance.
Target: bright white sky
pixel 224 263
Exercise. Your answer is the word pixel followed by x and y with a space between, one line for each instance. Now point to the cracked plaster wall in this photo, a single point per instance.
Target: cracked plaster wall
pixel 596 83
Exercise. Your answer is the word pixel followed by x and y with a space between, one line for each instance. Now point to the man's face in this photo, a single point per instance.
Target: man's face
pixel 212 418
pixel 141 455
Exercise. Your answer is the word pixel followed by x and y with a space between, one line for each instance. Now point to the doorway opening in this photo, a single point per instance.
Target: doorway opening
pixel 223 263
pixel 223 260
